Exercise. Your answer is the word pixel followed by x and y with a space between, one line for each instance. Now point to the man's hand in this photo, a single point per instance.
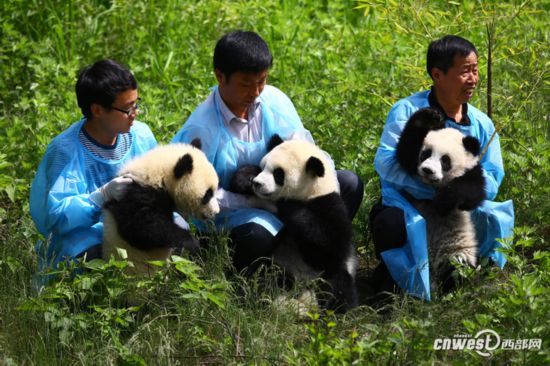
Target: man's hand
pixel 114 189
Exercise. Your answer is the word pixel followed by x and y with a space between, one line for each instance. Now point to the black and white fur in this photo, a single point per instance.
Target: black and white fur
pixel 170 178
pixel 316 239
pixel 449 161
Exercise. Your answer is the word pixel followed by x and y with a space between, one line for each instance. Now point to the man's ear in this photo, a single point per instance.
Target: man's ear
pixel 220 76
pixel 96 109
pixel 437 73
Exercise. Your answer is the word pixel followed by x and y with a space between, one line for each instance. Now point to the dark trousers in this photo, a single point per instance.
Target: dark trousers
pixel 94 252
pixel 252 241
pixel 388 232
pixel 387 225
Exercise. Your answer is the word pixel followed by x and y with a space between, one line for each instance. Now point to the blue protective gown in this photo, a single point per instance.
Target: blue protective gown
pixel 227 152
pixel 59 199
pixel 409 265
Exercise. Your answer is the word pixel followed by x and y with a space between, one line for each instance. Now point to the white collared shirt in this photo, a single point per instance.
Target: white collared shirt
pixel 245 130
pixel 249 131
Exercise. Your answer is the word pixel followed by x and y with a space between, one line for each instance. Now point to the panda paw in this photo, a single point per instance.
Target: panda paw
pixel 463 259
pixel 459 258
pixel 241 182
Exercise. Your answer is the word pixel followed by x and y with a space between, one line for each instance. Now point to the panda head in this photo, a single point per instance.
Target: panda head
pixel 446 154
pixel 294 170
pixel 192 182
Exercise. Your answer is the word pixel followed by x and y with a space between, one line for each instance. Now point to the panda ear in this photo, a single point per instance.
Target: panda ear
pixel 315 167
pixel 197 143
pixel 471 144
pixel 427 119
pixel 275 140
pixel 183 166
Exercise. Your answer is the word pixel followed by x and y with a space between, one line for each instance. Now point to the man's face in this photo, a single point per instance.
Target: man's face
pixel 241 89
pixel 458 84
pixel 114 120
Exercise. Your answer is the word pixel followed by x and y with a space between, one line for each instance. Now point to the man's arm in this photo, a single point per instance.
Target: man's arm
pixel 60 198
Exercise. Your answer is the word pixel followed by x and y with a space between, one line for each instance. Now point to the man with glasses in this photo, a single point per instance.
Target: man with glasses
pixel 76 174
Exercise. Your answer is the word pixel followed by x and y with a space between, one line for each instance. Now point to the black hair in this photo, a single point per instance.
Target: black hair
pixel 242 51
pixel 441 52
pixel 100 83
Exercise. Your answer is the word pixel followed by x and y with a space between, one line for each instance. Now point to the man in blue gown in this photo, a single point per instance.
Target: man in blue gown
pixel 235 124
pixel 399 232
pixel 76 174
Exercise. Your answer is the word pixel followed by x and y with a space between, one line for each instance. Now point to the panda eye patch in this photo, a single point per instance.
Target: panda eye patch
pixel 425 154
pixel 445 163
pixel 279 176
pixel 207 196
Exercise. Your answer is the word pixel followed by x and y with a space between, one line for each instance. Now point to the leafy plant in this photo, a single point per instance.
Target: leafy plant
pixel 343 65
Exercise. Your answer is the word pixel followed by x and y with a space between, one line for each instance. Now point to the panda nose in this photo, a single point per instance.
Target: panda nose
pixel 256 185
pixel 427 171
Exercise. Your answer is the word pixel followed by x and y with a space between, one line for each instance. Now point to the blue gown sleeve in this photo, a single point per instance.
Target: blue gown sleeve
pixel 385 162
pixel 59 201
pixel 491 162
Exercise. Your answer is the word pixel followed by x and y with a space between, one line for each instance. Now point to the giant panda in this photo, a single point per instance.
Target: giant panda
pixel 447 160
pixel 167 179
pixel 316 237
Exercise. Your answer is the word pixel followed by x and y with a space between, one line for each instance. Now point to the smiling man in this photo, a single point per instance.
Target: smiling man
pixel 76 174
pixel 235 124
pixel 398 230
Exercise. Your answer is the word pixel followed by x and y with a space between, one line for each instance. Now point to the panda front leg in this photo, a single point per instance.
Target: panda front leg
pixel 341 292
pixel 149 231
pixel 466 192
pixel 145 220
pixel 302 222
pixel 446 200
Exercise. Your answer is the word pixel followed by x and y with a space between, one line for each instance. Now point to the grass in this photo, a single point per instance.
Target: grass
pixel 343 68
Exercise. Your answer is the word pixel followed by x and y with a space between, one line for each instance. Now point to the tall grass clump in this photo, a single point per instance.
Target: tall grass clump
pixel 343 64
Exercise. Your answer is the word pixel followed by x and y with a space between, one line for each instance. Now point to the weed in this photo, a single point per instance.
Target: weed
pixel 343 65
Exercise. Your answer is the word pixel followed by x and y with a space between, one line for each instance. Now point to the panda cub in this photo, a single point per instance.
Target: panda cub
pixel 447 160
pixel 167 179
pixel 316 238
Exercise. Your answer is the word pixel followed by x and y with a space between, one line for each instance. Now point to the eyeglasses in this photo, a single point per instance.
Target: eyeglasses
pixel 130 110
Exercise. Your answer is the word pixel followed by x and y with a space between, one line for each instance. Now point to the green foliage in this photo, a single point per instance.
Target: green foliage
pixel 343 64
pixel 98 297
pixel 516 309
pixel 326 345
